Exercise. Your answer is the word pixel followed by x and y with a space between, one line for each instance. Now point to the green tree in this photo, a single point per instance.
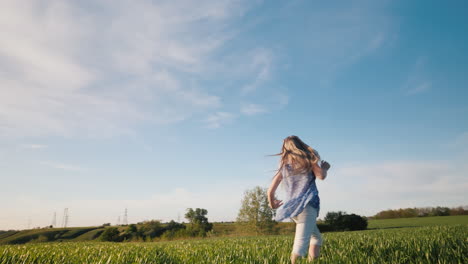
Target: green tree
pixel 255 214
pixel 132 228
pixel 151 229
pixel 110 234
pixel 341 221
pixel 173 225
pixel 174 229
pixel 130 233
pixel 334 218
pixel 199 224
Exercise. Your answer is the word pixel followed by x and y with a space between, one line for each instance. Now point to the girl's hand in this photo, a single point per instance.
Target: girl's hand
pixel 276 203
pixel 325 165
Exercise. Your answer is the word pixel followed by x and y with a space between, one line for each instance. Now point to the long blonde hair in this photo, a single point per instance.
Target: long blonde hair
pixel 300 154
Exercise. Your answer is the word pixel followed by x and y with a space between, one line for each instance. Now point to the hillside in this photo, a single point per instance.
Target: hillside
pixel 219 229
pixel 51 234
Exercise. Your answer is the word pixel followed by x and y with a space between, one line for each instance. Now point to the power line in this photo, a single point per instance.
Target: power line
pixel 125 220
pixel 65 218
pixel 54 220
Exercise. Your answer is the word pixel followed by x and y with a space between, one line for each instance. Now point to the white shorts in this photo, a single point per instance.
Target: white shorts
pixel 307 232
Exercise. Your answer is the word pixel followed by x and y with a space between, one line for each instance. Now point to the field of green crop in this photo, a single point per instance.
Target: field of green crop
pixel 431 244
pixel 418 221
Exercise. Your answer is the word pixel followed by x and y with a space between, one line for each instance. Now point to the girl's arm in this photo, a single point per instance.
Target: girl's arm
pixel 271 191
pixel 321 171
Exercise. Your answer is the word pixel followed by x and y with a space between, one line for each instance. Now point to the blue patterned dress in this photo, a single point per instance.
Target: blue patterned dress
pixel 301 190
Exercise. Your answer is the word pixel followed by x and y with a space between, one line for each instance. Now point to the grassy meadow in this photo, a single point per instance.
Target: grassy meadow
pixel 418 221
pixel 412 240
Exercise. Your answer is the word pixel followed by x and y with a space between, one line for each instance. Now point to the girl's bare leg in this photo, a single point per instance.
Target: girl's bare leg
pixel 314 252
pixel 293 258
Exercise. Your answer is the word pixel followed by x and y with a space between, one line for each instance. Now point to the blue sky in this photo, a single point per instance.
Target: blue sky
pixel 157 106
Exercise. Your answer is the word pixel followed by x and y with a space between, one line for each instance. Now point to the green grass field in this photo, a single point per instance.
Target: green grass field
pixel 418 221
pixel 433 244
pixel 431 240
pixel 76 234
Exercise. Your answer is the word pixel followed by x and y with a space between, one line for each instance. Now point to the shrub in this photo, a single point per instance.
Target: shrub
pixel 325 228
pixel 152 228
pixel 132 228
pixel 340 221
pixel 353 222
pixel 110 234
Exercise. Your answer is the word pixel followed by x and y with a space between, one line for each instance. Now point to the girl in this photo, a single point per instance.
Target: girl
pixel 297 171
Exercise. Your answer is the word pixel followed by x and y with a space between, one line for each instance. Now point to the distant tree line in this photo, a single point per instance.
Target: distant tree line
pixel 154 229
pixel 6 231
pixel 421 212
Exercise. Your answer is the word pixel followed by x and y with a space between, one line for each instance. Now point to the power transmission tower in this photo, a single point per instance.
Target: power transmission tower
pixel 65 218
pixel 178 217
pixel 54 220
pixel 118 220
pixel 125 220
pixel 29 223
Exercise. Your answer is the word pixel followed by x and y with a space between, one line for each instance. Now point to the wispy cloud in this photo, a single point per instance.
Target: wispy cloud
pixel 33 146
pixel 422 87
pixel 392 184
pixel 417 81
pixel 335 38
pixel 71 68
pixel 461 140
pixel 253 109
pixel 216 120
pixel 280 99
pixel 458 147
pixel 261 67
pixel 61 166
pixel 165 206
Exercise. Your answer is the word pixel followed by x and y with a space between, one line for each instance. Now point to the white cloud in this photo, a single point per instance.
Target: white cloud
pixel 261 66
pixel 33 146
pixel 164 206
pixel 369 188
pixel 98 68
pixel 253 109
pixel 377 41
pixel 417 81
pixel 218 119
pixel 332 39
pixel 62 166
pixel 461 140
pixel 458 147
pixel 280 99
pixel 419 88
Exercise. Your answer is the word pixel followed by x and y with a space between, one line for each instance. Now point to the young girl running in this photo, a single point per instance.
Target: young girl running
pixel 298 170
